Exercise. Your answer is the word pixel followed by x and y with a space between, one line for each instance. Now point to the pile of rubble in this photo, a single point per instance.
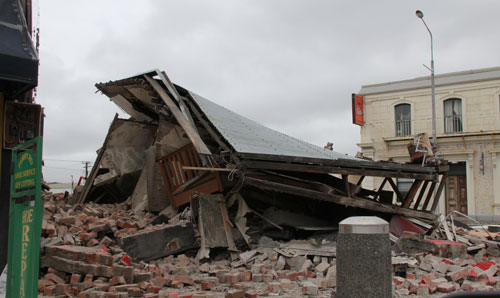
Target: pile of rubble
pixel 448 257
pixel 85 254
pixel 427 274
pixel 92 250
pixel 443 266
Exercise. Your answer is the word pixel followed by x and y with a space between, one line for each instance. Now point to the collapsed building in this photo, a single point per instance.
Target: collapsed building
pixel 179 149
pixel 189 199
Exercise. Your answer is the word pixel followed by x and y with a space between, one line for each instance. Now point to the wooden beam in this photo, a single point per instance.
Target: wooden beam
pixel 207 169
pixel 193 135
pixel 93 173
pixel 344 162
pixel 184 110
pixel 396 190
pixel 421 195
pixel 429 196
pixel 360 180
pixel 211 130
pixel 411 193
pixel 171 88
pixel 269 165
pixel 381 187
pixel 346 185
pixel 439 191
pixel 353 202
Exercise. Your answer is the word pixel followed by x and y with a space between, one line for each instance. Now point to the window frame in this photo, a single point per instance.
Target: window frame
pixel 453 123
pixel 402 126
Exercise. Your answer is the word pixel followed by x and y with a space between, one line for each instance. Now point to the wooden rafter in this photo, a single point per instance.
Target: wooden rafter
pixel 411 193
pixel 396 190
pixel 438 192
pixel 342 200
pixel 308 168
pixel 429 195
pixel 421 195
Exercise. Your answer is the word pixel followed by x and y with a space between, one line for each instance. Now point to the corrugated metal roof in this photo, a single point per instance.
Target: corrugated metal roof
pixel 247 136
pixel 440 80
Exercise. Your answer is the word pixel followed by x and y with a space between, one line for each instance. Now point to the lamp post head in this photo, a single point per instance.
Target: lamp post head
pixel 419 14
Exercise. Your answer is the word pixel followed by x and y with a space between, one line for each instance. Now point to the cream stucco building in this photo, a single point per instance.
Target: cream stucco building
pixel 468 132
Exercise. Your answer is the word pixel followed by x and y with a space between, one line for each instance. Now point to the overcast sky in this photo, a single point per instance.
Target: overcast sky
pixel 290 65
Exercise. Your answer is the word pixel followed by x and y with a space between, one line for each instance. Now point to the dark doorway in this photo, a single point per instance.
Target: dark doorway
pixel 456 188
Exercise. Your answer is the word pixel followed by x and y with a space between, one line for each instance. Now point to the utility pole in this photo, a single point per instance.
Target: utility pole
pixel 86 169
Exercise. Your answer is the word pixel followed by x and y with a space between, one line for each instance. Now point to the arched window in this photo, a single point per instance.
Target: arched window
pixel 403 119
pixel 453 115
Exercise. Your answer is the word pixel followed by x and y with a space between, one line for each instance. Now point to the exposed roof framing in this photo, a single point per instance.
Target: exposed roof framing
pixel 256 151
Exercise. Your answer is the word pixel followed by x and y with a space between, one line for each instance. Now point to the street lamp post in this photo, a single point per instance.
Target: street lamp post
pixel 420 15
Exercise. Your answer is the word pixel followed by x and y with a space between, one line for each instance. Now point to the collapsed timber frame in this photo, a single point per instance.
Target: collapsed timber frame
pixel 216 145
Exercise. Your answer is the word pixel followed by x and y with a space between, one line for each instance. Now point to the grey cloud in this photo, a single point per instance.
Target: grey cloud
pixel 290 65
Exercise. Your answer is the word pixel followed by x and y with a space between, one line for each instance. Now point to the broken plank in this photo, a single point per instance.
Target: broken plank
pixel 346 185
pixel 227 226
pixel 208 183
pixel 353 202
pixel 184 110
pixel 396 189
pixel 439 191
pixel 191 132
pixel 420 223
pixel 93 173
pixel 429 196
pixel 207 169
pixel 476 247
pixel 347 163
pixel 210 220
pixel 480 241
pixel 158 198
pixel 411 193
pixel 381 187
pixel 209 128
pixel 168 240
pixel 444 223
pixel 421 195
pixel 327 169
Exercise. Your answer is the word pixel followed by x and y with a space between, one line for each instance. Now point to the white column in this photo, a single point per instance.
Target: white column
pixel 471 200
pixel 496 182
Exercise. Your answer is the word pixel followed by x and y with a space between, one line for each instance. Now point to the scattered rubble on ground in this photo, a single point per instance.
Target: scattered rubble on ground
pixel 447 257
pixel 87 252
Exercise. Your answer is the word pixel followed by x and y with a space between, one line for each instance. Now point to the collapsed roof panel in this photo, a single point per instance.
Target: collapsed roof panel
pixel 262 158
pixel 134 96
pixel 247 136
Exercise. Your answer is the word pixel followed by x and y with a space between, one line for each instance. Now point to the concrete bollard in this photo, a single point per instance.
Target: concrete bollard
pixel 364 268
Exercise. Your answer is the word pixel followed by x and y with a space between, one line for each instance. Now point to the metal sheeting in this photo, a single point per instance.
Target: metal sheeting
pixel 247 136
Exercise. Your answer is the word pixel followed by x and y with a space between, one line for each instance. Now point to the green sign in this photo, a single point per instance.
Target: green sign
pixel 25 220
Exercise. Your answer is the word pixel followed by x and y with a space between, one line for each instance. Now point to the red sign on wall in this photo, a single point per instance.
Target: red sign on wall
pixel 357 110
